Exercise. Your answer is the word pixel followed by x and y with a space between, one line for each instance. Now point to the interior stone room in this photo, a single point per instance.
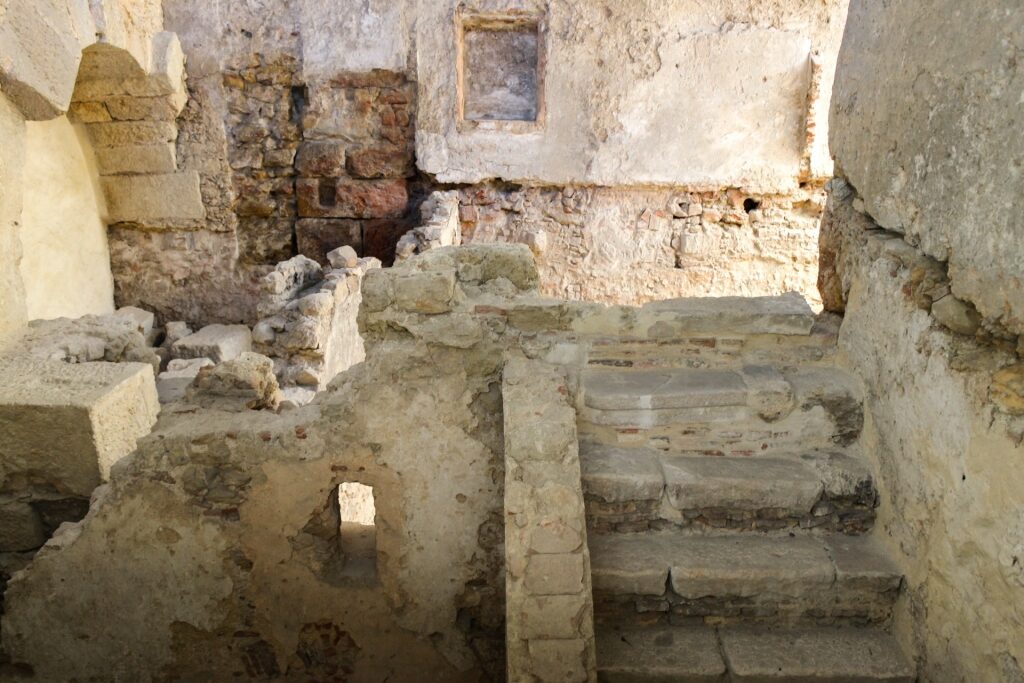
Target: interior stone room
pixel 539 341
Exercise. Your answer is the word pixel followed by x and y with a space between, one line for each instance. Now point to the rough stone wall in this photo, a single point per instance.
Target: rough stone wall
pixel 633 246
pixel 930 290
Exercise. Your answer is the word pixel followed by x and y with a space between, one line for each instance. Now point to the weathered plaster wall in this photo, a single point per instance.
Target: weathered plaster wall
pixel 66 264
pixel 650 92
pixel 13 313
pixel 923 250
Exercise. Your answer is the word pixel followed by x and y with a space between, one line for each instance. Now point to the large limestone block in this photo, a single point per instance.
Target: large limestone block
pixel 148 198
pixel 64 425
pixel 926 121
pixel 41 44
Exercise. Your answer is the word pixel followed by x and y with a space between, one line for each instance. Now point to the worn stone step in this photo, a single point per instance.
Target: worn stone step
pixel 736 577
pixel 752 410
pixel 818 655
pixel 633 489
pixel 661 654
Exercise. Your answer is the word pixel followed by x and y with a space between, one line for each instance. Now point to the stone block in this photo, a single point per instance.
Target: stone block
pixel 173 383
pixel 321 159
pixel 560 574
pixel 425 292
pixel 216 342
pixel 136 159
pixel 677 654
pixel 740 483
pixel 621 474
pixel 88 112
pixel 554 616
pixel 141 320
pixel 957 315
pixel 824 654
pixel 64 425
pixel 129 108
pixel 346 198
pixel 318 236
pixel 166 75
pixel 127 133
pixel 153 198
pixel 380 163
pixel 343 257
pixel 559 661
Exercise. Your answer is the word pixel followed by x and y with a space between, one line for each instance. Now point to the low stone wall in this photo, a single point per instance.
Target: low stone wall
pixel 631 246
pixel 550 618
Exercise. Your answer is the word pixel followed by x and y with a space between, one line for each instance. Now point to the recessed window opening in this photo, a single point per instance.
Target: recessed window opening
pixel 751 204
pixel 357 528
pixel 501 70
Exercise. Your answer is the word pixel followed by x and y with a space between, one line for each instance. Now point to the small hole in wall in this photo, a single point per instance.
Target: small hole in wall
pixel 751 204
pixel 328 193
pixel 358 528
pixel 299 97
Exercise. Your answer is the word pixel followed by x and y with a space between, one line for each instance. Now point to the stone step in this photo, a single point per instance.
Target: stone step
pixel 671 577
pixel 749 655
pixel 753 410
pixel 636 489
pixel 687 349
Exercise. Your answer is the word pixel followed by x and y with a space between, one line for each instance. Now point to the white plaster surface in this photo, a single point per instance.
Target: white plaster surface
pixel 66 264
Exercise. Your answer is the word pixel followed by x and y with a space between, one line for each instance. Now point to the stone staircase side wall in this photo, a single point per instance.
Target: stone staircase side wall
pixel 549 603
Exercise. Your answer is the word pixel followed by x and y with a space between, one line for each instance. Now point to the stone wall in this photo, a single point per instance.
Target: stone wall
pixel 631 246
pixel 926 107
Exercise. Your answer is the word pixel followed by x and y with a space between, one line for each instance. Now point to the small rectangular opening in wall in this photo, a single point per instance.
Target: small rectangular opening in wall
pixel 501 70
pixel 358 529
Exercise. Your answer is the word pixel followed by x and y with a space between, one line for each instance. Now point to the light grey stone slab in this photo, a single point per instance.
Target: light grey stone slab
pixel 740 483
pixel 630 564
pixel 621 474
pixel 744 565
pixel 821 655
pixel 661 389
pixel 659 655
pixel 788 314
pixel 216 342
pixel 862 564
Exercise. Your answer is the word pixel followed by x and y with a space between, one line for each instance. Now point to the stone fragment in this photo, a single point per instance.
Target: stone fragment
pixel 957 315
pixel 153 198
pixel 1007 389
pixel 90 338
pixel 343 257
pixel 173 383
pixel 158 158
pixel 175 330
pixel 140 319
pixel 245 381
pixel 216 342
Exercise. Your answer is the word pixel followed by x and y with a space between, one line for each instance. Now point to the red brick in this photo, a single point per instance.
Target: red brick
pixel 347 198
pixel 380 163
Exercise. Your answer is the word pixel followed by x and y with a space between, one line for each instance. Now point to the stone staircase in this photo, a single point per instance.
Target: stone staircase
pixel 729 510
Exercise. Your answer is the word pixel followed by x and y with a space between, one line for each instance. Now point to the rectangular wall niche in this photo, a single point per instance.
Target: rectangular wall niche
pixel 357 512
pixel 501 63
